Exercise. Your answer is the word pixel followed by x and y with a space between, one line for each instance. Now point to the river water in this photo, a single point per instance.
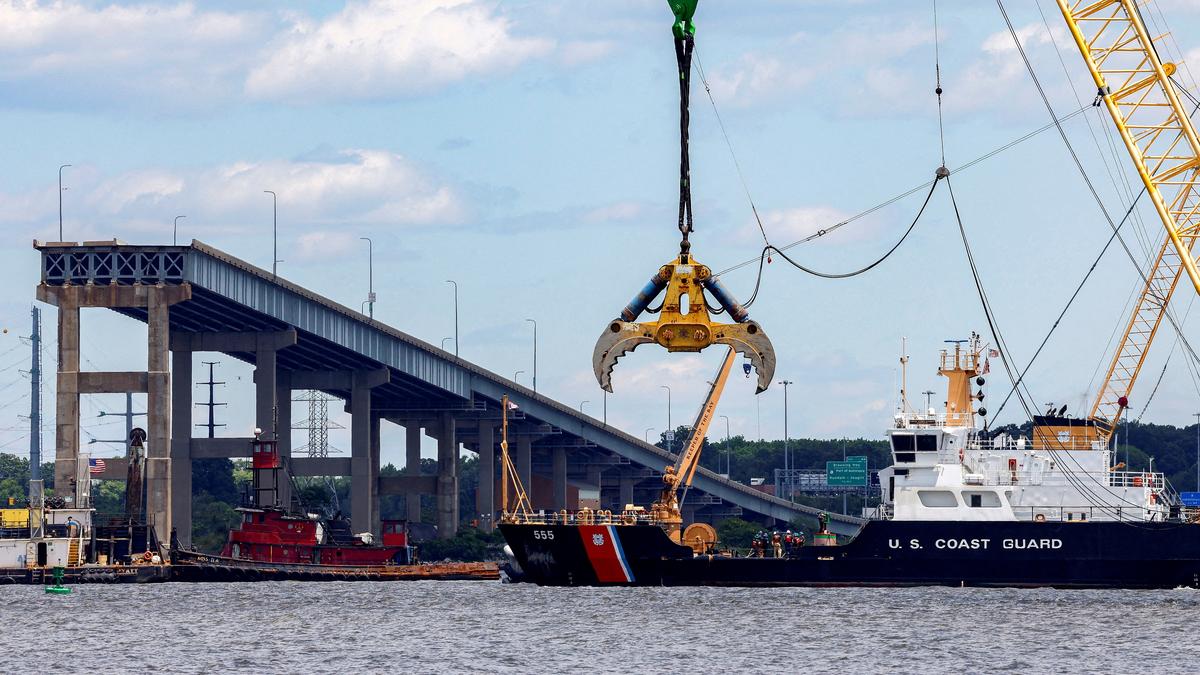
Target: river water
pixel 491 627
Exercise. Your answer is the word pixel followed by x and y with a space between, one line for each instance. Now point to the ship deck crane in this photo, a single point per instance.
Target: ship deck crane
pixel 1136 88
pixel 666 510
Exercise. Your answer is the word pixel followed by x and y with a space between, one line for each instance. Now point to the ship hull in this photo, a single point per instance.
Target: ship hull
pixel 884 553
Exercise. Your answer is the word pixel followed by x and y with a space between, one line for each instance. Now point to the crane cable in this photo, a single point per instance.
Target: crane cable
pixel 1070 301
pixel 1087 179
pixel 1096 500
pixel 685 42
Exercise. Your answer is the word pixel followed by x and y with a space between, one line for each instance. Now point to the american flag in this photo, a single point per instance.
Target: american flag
pixel 96 466
pixel 994 353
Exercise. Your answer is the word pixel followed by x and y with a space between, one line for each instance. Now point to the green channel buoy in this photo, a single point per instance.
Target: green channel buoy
pixel 58 588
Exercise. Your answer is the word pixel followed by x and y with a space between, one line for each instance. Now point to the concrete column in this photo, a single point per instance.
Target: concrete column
pixel 283 421
pixel 181 449
pixel 596 478
pixel 559 463
pixel 363 483
pixel 66 445
pixel 447 480
pixel 412 467
pixel 376 525
pixel 525 463
pixel 485 500
pixel 265 418
pixel 158 415
pixel 626 491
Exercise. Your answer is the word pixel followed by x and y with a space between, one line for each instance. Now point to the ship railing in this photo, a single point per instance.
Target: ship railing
pixel 1154 481
pixel 1009 444
pixel 582 517
pixel 918 419
pixel 1083 514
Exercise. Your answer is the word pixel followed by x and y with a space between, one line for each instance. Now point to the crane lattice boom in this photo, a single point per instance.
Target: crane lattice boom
pixel 1136 87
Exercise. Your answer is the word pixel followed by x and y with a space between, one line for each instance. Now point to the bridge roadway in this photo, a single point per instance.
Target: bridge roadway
pixel 197 298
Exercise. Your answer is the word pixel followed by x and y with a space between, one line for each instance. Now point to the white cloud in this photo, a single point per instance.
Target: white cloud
pixel 379 49
pixel 794 65
pixel 757 78
pixel 365 187
pixel 175 54
pixel 788 225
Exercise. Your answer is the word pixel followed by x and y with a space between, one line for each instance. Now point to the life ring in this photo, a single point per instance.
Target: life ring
pixel 147 556
pixel 1039 518
pixel 960 455
pixel 1137 481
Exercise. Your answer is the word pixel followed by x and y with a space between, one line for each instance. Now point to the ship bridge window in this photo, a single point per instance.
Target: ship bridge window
pixel 937 498
pixel 987 500
pixel 914 442
pixel 906 457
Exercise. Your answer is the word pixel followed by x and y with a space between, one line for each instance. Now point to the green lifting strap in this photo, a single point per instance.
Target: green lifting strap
pixel 684 11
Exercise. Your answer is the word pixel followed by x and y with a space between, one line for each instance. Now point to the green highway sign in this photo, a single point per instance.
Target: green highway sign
pixel 850 473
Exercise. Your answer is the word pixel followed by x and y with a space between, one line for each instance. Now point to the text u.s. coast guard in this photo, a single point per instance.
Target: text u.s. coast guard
pixel 978 544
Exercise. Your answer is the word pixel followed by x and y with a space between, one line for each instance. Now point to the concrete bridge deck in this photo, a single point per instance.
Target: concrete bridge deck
pixel 197 298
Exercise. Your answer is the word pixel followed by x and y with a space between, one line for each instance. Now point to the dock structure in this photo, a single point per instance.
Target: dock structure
pixel 195 298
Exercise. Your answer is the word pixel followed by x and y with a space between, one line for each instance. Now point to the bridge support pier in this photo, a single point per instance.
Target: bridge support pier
pixel 364 452
pixel 283 434
pixel 485 500
pixel 626 491
pixel 155 383
pixel 412 467
pixel 181 445
pixel 525 462
pixel 447 480
pixel 559 477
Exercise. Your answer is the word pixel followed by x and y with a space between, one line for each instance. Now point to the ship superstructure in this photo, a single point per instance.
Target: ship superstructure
pixel 946 468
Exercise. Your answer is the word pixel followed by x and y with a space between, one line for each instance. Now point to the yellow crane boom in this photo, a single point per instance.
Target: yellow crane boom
pixel 1135 86
pixel 666 510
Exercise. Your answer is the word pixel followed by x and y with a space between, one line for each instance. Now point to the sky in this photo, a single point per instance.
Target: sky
pixel 528 150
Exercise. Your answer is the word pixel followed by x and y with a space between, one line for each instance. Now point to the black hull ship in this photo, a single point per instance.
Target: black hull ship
pixel 884 553
pixel 960 507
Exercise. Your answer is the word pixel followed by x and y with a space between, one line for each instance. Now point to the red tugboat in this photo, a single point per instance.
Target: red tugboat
pixel 273 544
pixel 273 536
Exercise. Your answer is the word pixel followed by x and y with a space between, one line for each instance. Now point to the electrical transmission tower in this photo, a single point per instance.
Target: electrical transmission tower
pixel 211 404
pixel 317 424
pixel 35 398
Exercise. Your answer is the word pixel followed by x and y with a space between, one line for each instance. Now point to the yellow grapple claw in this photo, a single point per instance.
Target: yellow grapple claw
pixel 683 323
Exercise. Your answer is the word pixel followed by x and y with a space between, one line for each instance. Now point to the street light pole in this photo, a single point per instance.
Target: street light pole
pixel 670 429
pixel 370 275
pixel 451 281
pixel 274 233
pixel 60 191
pixel 646 434
pixel 534 353
pixel 787 457
pixel 516 374
pixel 175 231
pixel 581 404
pixel 444 342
